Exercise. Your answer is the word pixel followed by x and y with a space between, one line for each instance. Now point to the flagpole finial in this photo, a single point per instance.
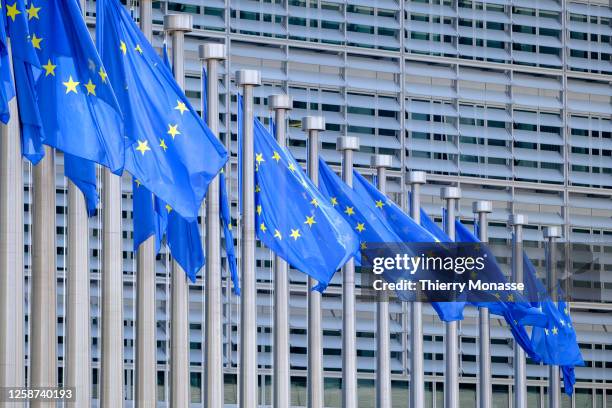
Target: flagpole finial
pixel 482 206
pixel 450 192
pixel 178 22
pixel 381 161
pixel 552 231
pixel 417 177
pixel 517 219
pixel 248 77
pixel 347 143
pixel 208 51
pixel 280 101
pixel 313 123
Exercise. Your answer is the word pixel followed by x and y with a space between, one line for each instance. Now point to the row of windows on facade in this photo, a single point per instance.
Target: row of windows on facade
pixel 434 391
pixel 382 12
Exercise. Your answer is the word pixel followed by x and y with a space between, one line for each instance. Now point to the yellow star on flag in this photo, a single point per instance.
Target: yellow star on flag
pixel 363 245
pixel 138 49
pixel 181 107
pixel 546 331
pixel 143 147
pixel 33 11
pixel 349 210
pixel 257 188
pixel 263 227
pixel 173 130
pixel 49 68
pixel 497 295
pixel 12 11
pixel 91 88
pixel 277 234
pixel 138 182
pixel 123 48
pixel 259 158
pixel 163 145
pixel 510 297
pixel 295 234
pixel 168 208
pixel 314 202
pixel 276 156
pixel 555 330
pixel 310 220
pixel 71 85
pixel 103 75
pixel 334 201
pixel 565 310
pixel 291 167
pixel 379 204
pixel 258 210
pixel 360 227
pixel 36 41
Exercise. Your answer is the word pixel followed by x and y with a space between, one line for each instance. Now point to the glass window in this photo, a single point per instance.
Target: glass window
pixel 501 397
pixel 230 388
pixel 467 395
pixel 299 391
pixel 195 387
pixel 428 395
pixel 332 393
pixel 533 397
pixel 366 394
pixel 399 393
pixel 583 398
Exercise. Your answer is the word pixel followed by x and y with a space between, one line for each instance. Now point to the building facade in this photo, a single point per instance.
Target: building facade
pixel 509 100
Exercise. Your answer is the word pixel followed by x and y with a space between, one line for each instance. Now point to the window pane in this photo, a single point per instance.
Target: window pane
pixel 366 393
pixel 501 397
pixel 332 396
pixel 298 391
pixel 467 395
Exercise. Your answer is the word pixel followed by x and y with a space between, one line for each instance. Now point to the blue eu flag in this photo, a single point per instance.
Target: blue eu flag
pixel 308 234
pixel 448 311
pixel 556 342
pixel 358 212
pixel 402 224
pixel 153 217
pixel 79 111
pixel 83 174
pixel 226 222
pixel 146 219
pixel 175 155
pixel 513 306
pixel 26 68
pixel 7 89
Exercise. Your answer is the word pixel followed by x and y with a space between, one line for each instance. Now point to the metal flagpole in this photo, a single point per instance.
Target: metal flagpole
pixel 383 364
pixel 12 354
pixel 281 104
pixel 146 345
pixel 247 79
pixel 520 386
pixel 111 383
pixel 417 381
pixel 346 144
pixel 481 209
pixel 43 338
pixel 177 25
pixel 210 54
pixel 451 376
pixel 313 125
pixel 551 234
pixel 78 329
